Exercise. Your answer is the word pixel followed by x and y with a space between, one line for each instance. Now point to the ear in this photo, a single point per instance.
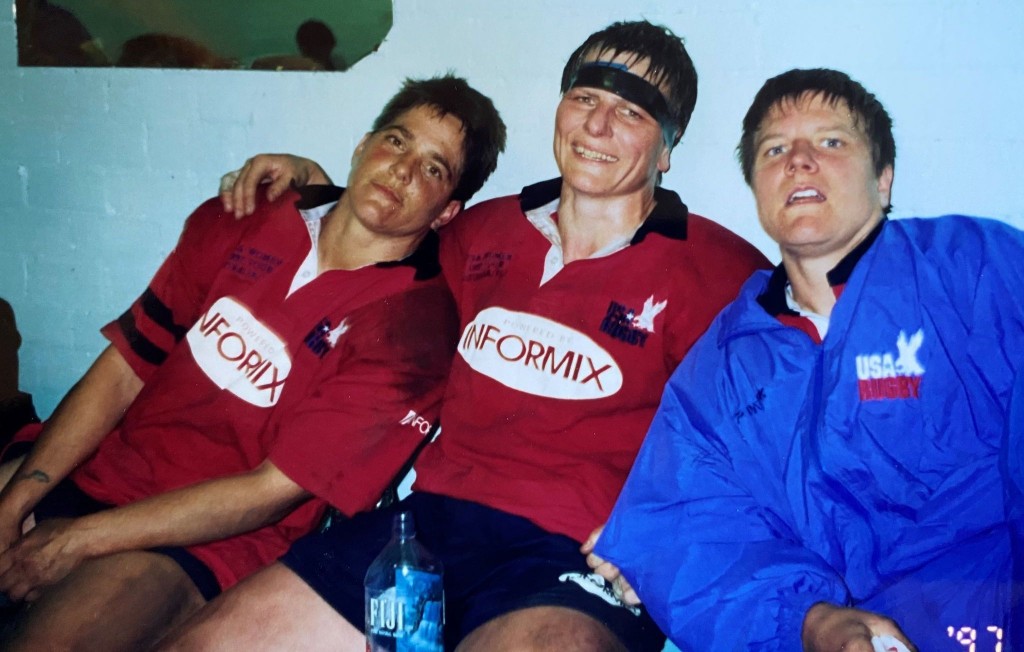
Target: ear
pixel 665 158
pixel 360 146
pixel 885 186
pixel 453 208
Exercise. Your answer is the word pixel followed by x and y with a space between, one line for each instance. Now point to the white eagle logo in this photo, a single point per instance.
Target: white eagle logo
pixel 336 332
pixel 645 320
pixel 906 363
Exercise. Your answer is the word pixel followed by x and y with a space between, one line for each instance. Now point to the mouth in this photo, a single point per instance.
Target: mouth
pixel 805 196
pixel 388 192
pixel 593 155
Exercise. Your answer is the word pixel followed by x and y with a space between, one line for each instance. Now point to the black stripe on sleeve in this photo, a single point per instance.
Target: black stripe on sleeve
pixel 141 346
pixel 161 315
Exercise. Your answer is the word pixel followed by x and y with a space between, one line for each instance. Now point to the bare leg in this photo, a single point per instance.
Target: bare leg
pixel 126 601
pixel 271 610
pixel 538 629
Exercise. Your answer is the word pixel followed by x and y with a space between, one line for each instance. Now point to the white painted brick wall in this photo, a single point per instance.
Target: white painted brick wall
pixel 98 167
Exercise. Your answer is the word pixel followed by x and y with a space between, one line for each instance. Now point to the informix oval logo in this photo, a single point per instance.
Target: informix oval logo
pixel 538 356
pixel 239 353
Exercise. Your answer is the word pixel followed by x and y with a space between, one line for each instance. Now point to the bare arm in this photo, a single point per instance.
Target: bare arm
pixel 89 411
pixel 207 511
pixel 279 171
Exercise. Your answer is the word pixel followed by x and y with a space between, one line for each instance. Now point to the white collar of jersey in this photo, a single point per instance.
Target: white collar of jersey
pixel 542 219
pixel 820 321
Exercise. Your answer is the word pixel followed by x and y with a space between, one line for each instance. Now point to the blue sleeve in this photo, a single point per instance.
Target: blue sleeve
pixel 1013 470
pixel 996 298
pixel 1001 277
pixel 716 567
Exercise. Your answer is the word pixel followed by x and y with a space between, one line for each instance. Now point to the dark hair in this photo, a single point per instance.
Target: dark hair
pixel 668 62
pixel 155 50
pixel 482 128
pixel 315 36
pixel 833 86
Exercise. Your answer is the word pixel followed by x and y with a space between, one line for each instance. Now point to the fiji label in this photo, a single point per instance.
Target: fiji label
pixel 407 617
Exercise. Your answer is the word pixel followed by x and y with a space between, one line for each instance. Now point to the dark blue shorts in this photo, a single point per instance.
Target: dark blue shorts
pixel 494 563
pixel 66 500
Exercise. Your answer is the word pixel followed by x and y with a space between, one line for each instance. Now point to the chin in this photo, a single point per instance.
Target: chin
pixel 586 185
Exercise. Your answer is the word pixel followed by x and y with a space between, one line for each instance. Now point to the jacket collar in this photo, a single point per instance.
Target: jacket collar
pixel 773 299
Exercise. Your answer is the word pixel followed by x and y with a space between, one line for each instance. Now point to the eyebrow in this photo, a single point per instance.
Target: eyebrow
pixel 436 156
pixel 761 138
pixel 625 100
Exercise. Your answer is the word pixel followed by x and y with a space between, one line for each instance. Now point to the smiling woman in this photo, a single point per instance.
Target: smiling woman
pixel 231 34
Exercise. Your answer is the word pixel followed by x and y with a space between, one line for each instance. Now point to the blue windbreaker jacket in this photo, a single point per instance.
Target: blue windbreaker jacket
pixel 881 469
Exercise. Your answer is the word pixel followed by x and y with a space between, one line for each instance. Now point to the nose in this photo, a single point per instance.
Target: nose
pixel 401 169
pixel 598 120
pixel 801 157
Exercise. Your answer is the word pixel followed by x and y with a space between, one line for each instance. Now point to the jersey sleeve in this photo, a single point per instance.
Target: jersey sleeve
pixel 715 566
pixel 718 264
pixel 452 251
pixel 157 320
pixel 346 441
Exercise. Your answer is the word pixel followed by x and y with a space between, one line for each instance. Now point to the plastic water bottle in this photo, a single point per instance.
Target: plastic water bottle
pixel 404 595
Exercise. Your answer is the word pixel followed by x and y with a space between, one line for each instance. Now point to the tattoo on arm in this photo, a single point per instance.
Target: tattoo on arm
pixel 35 474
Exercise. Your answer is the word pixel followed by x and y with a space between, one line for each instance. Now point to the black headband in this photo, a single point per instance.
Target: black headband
pixel 616 78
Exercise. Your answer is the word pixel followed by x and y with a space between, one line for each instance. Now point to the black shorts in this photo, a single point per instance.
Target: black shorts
pixel 494 563
pixel 66 500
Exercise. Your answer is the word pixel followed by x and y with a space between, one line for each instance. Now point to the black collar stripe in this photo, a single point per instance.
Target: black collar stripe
pixel 424 260
pixel 773 299
pixel 668 218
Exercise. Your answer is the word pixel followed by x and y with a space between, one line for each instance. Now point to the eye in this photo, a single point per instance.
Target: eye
pixel 435 171
pixel 832 143
pixel 582 98
pixel 393 140
pixel 774 150
pixel 631 113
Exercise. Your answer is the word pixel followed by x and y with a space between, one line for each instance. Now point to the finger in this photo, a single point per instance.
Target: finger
pixel 237 189
pixel 625 591
pixel 16 591
pixel 594 561
pixel 588 545
pixel 630 597
pixel 277 187
pixel 227 184
pixel 245 188
pixel 610 572
pixel 261 171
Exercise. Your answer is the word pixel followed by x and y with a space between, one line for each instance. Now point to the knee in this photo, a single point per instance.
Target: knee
pixel 208 629
pixel 543 629
pixel 125 601
pixel 237 619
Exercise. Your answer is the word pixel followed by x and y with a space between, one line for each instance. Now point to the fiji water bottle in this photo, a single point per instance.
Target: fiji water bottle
pixel 404 595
